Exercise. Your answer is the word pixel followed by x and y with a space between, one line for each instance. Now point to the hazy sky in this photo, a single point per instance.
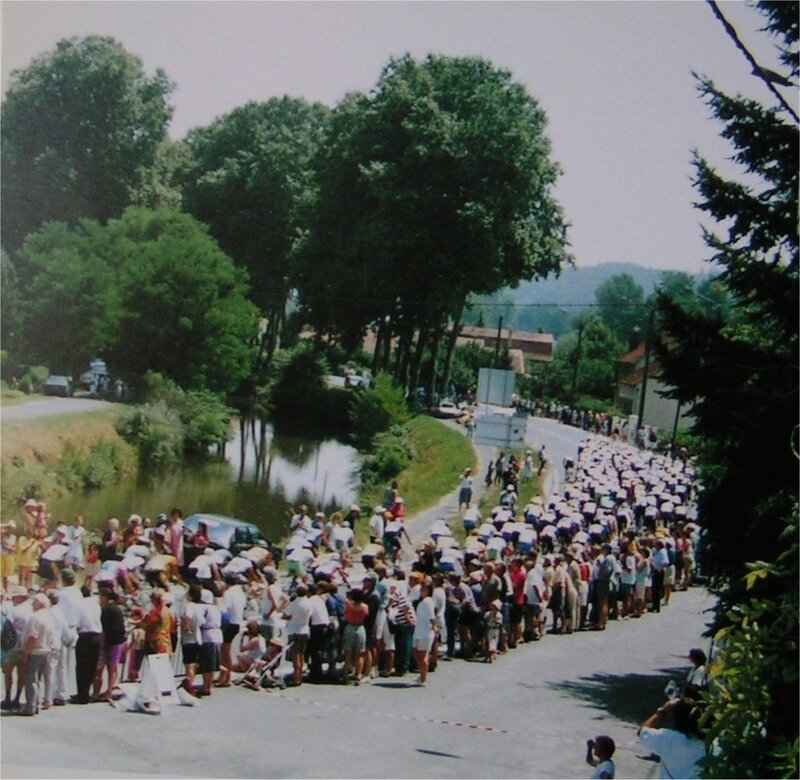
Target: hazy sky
pixel 613 77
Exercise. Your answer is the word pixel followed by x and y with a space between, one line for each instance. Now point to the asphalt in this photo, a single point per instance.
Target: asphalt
pixel 527 715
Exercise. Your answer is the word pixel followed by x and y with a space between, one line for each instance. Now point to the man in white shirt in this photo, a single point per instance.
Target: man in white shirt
pixel 234 601
pixel 87 650
pixel 37 643
pixel 298 614
pixel 319 623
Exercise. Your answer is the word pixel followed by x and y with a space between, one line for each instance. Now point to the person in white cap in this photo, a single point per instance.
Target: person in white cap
pixel 37 643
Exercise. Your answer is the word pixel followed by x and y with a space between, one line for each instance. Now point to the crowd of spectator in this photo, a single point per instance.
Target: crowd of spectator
pixel 614 544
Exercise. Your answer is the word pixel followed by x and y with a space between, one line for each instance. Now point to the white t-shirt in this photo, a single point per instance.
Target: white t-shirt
pixel 426 611
pixel 235 601
pixel 196 614
pixel 319 612
pixel 299 614
pixel 628 576
pixel 679 754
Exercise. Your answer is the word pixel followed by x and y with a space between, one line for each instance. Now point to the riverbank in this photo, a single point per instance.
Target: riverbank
pixel 54 455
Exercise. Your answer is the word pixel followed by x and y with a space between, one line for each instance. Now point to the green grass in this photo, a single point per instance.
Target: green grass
pixel 441 455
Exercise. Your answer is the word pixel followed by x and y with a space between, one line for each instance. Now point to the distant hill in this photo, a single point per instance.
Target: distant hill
pixel 556 301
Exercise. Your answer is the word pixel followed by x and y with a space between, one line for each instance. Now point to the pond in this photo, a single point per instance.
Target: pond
pixel 264 476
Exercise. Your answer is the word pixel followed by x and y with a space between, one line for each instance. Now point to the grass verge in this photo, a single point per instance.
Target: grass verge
pixel 441 455
pixel 51 455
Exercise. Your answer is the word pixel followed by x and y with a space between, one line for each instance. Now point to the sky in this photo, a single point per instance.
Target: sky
pixel 614 79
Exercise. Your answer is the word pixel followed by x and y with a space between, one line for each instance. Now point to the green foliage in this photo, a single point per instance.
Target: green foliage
pixel 391 452
pixel 175 423
pixel 752 701
pixel 599 350
pixel 160 186
pixel 80 124
pixel 104 464
pixel 156 432
pixel 32 381
pixel 376 409
pixel 435 186
pixel 620 303
pixel 739 375
pixel 468 360
pixel 150 291
pixel 298 384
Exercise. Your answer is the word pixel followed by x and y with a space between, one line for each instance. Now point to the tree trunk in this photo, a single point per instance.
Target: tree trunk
pixel 451 345
pixel 380 335
pixel 435 341
pixel 416 363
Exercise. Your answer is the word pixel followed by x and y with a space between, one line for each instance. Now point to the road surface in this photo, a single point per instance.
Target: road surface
pixel 51 407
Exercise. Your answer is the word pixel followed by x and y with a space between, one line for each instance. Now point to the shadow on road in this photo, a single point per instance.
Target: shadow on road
pixel 629 697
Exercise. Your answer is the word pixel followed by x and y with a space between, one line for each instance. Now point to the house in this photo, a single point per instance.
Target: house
pixel 658 411
pixel 533 346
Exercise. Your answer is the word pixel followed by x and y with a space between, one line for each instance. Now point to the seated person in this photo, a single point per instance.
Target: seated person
pixel 251 650
pixel 263 673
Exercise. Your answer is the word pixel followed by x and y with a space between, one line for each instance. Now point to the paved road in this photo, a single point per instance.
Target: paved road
pixel 50 407
pixel 541 702
pixel 528 715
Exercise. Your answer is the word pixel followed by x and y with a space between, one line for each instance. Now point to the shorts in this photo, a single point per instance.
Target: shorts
pixel 533 610
pixel 191 653
pixel 47 570
pixel 625 590
pixel 354 639
pixel 209 658
pixel 229 633
pixel 298 643
pixel 639 590
pixel 113 654
pixel 388 637
pixel 557 600
pixel 669 575
pixel 423 643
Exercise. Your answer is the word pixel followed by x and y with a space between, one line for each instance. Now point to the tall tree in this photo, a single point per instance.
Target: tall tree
pixel 80 124
pixel 740 377
pixel 149 291
pixel 248 172
pixel 436 185
pixel 620 302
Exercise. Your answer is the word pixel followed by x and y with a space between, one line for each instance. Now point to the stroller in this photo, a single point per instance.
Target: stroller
pixel 264 673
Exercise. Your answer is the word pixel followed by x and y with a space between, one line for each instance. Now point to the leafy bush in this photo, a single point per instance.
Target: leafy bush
pixel 298 383
pixel 392 451
pixel 752 702
pixel 374 410
pixel 32 381
pixel 157 433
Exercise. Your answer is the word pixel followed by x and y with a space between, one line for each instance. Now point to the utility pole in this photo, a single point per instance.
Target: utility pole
pixel 497 343
pixel 648 337
pixel 577 361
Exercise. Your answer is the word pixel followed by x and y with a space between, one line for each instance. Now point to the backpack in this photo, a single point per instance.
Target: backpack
pixel 8 636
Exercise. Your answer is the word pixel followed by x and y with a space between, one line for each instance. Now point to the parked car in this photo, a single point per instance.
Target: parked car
pixel 58 384
pixel 449 409
pixel 356 381
pixel 228 533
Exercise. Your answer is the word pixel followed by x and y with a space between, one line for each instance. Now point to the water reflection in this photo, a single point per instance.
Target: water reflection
pixel 265 475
